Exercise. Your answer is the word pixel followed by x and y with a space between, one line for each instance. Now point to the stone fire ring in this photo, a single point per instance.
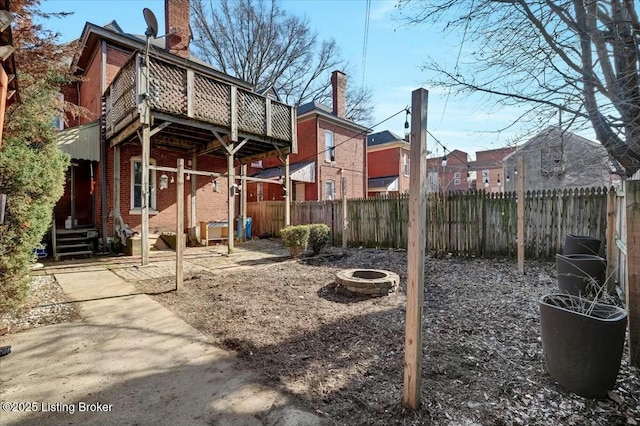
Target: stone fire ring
pixel 370 282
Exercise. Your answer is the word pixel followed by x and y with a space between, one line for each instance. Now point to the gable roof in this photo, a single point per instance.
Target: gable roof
pixel 276 172
pixel 315 107
pixel 385 136
pixel 113 33
pixel 381 182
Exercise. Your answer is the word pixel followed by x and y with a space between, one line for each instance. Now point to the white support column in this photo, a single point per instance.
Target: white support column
pixel 116 180
pixel 345 229
pixel 194 199
pixel 146 148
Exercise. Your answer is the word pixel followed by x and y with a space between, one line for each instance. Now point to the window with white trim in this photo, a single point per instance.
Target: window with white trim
pixel 405 164
pixel 136 184
pixel 456 181
pixel 329 146
pixel 330 190
pixel 456 175
pixel 58 120
pixel 260 194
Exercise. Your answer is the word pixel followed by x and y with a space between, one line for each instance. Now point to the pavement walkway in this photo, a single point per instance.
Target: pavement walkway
pixel 130 361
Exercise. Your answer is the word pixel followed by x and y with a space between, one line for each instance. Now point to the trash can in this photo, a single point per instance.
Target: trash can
pixel 239 228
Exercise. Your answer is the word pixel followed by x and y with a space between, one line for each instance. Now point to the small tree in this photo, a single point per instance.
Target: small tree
pixel 32 168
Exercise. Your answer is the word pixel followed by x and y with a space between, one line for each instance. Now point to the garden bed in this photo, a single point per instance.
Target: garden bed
pixel 483 359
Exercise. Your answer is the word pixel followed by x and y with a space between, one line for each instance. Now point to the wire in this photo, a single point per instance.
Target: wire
pixel 366 39
pixel 447 149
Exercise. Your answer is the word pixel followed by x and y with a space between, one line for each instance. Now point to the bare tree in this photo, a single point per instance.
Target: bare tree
pixel 261 43
pixel 581 57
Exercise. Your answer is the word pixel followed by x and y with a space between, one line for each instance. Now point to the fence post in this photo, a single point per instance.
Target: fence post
pixel 344 213
pixel 416 250
pixel 611 239
pixel 521 215
pixel 632 201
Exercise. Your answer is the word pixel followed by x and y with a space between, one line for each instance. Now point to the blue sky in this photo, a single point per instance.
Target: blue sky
pixel 394 57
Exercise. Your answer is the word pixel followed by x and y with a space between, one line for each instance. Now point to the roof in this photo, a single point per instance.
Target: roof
pixel 92 34
pixel 383 137
pixel 381 182
pixel 326 112
pixel 276 172
pixel 81 142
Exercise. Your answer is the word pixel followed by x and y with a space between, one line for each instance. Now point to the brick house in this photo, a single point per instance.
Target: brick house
pixel 197 113
pixel 329 145
pixel 557 159
pixel 388 163
pixel 450 175
pixel 488 169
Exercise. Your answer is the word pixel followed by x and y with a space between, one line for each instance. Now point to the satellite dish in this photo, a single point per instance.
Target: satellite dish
pixel 152 23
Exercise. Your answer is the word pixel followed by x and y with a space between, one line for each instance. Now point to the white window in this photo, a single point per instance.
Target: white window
pixel 136 185
pixel 405 164
pixel 330 190
pixel 456 181
pixel 260 192
pixel 330 147
pixel 456 175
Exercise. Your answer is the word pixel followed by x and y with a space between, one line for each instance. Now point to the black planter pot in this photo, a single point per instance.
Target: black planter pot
pixel 581 244
pixel 582 352
pixel 577 272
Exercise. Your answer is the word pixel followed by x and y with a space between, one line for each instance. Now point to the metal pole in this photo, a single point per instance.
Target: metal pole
pixel 180 224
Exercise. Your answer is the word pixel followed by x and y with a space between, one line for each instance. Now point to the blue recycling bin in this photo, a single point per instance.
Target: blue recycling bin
pixel 239 228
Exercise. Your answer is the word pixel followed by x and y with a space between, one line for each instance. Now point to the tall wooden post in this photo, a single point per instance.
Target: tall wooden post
pixel 243 207
pixel 194 199
pixel 521 215
pixel 287 190
pixel 344 213
pixel 146 148
pixel 232 200
pixel 632 202
pixel 179 224
pixel 416 249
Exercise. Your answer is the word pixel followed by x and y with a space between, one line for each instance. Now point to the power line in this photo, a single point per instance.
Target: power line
pixel 366 39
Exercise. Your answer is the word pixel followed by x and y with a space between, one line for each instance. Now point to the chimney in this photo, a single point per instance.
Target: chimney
pixel 339 85
pixel 176 19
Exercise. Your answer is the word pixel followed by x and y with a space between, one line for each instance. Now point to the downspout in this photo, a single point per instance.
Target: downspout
pixel 103 150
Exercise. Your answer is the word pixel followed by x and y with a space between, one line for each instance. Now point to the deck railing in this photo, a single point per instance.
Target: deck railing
pixel 180 91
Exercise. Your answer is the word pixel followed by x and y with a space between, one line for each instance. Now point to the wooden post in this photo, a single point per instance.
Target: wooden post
pixel 243 207
pixel 72 173
pixel 54 241
pixel 344 213
pixel 194 199
pixel 611 240
pixel 180 224
pixel 116 180
pixel 287 190
pixel 632 202
pixel 232 201
pixel 416 250
pixel 146 148
pixel 521 215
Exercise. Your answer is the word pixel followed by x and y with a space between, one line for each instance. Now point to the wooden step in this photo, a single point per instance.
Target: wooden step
pixel 69 246
pixel 70 239
pixel 75 253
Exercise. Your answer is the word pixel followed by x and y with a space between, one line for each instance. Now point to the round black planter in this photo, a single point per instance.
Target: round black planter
pixel 582 352
pixel 581 244
pixel 576 272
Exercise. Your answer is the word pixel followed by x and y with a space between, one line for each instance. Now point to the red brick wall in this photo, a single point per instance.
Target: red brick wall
pixel 116 58
pixel 211 205
pixel 90 90
pixel 403 181
pixel 176 13
pixel 386 162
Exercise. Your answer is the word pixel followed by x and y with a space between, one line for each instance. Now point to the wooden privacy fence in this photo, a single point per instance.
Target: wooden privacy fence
pixel 472 223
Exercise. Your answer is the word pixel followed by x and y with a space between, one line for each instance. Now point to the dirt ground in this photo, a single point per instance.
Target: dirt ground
pixel 483 361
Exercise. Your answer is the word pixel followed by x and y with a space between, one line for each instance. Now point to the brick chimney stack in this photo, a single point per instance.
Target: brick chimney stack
pixel 176 19
pixel 339 85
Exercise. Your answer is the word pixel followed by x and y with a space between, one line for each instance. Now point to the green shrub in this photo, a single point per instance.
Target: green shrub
pixel 295 238
pixel 32 174
pixel 319 235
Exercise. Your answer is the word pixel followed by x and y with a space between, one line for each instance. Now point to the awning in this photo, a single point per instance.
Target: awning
pixel 305 171
pixel 81 142
pixel 383 184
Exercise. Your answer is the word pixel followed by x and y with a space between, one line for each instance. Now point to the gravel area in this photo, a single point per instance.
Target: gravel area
pixel 45 305
pixel 483 359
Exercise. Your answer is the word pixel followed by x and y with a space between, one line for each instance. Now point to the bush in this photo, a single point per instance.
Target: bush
pixel 32 174
pixel 319 235
pixel 295 238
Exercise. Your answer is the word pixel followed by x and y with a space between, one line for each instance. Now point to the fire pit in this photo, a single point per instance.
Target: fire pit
pixel 370 282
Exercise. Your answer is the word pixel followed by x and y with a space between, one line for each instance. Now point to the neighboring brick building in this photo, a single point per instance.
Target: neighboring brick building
pixel 449 176
pixel 388 163
pixel 488 168
pixel 329 146
pixel 105 183
pixel 556 159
